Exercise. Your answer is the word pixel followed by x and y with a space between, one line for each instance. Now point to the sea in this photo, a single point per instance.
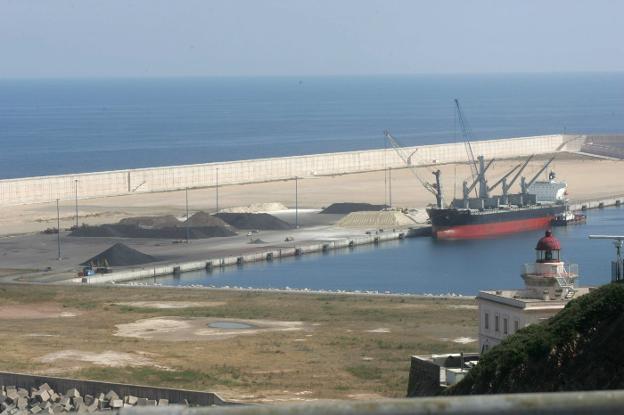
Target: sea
pixel 60 126
pixel 424 265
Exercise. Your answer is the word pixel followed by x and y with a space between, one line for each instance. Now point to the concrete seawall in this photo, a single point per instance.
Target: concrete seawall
pixel 121 182
pixel 268 254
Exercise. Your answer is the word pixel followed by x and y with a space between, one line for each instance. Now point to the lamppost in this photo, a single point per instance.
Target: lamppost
pixel 58 229
pixel 217 191
pixel 296 202
pixel 76 190
pixel 187 215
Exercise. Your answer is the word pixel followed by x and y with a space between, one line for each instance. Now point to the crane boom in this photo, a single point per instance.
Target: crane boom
pixel 530 182
pixel 507 186
pixel 504 177
pixel 407 159
pixel 463 124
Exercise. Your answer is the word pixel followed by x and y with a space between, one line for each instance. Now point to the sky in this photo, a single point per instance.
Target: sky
pixel 177 38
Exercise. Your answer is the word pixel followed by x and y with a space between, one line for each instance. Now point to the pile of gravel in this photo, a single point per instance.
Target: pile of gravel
pixel 262 221
pixel 45 400
pixel 201 225
pixel 348 207
pixel 119 255
pixel 167 221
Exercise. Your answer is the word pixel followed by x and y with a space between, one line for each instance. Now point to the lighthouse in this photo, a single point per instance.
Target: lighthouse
pixel 549 283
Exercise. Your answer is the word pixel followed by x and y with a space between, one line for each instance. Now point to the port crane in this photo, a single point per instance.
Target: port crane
pixel 434 188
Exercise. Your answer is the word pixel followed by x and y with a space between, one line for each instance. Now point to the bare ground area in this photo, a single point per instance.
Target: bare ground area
pixel 583 174
pixel 297 346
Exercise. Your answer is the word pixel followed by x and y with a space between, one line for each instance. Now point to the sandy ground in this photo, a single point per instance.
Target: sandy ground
pixel 172 304
pixel 74 359
pixel 186 329
pixel 587 178
pixel 41 311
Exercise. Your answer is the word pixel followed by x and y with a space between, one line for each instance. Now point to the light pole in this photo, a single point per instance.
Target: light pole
pixel 296 202
pixel 76 189
pixel 187 215
pixel 217 191
pixel 390 186
pixel 58 229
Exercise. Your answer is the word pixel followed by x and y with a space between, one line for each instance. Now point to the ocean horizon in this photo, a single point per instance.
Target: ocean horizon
pixel 58 126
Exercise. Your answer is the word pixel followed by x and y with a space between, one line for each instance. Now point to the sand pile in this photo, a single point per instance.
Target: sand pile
pixel 348 207
pixel 262 221
pixel 256 208
pixel 119 255
pixel 201 225
pixel 377 220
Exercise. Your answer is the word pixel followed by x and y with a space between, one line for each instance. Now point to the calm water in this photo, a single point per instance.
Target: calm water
pixel 63 126
pixel 423 265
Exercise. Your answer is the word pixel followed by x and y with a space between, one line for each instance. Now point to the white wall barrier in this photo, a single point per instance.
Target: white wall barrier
pixel 113 183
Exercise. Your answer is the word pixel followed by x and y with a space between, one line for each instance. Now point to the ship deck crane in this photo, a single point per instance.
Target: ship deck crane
pixel 507 186
pixel 525 185
pixel 434 188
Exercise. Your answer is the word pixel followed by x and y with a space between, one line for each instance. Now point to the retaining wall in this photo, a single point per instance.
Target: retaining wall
pixel 264 255
pixel 113 183
pixel 88 387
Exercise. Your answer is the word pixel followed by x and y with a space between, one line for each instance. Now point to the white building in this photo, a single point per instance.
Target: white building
pixel 549 285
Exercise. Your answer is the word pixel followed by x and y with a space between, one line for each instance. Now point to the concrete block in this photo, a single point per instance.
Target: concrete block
pixel 151 402
pixel 111 395
pixel 45 387
pixel 163 402
pixel 12 396
pixel 65 400
pixel 103 403
pixel 77 401
pixel 101 397
pixel 23 393
pixel 72 393
pixel 116 403
pixel 35 410
pixel 131 400
pixel 42 396
pixel 88 400
pixel 142 402
pixel 21 403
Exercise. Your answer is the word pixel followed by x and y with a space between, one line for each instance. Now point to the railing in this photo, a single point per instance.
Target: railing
pixel 551 270
pixel 559 403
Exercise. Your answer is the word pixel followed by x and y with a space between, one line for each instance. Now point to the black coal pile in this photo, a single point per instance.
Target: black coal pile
pixel 348 207
pixel 200 226
pixel 119 255
pixel 262 221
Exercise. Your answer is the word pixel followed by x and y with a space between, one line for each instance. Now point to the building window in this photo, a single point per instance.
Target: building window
pixel 496 326
pixel 486 321
pixel 505 326
pixel 516 325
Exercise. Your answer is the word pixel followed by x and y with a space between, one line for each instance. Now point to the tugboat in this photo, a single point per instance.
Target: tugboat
pixel 569 218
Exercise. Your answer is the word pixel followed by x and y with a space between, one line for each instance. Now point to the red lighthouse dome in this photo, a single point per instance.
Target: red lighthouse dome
pixel 548 248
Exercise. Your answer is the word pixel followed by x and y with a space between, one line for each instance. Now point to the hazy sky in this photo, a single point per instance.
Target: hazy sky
pixel 65 38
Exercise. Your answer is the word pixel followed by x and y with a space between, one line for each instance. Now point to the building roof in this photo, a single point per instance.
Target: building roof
pixel 548 243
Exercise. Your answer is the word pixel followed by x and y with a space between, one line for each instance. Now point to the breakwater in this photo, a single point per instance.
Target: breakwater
pixel 47 189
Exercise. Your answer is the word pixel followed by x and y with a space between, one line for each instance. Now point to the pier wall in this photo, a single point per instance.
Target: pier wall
pixel 114 183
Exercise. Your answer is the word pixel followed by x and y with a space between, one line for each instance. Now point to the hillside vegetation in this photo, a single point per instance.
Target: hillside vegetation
pixel 581 348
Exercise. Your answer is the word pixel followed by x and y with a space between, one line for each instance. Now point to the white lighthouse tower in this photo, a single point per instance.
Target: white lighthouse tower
pixel 548 285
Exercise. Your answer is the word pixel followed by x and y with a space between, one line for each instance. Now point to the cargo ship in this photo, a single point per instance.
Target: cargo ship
pixel 535 207
pixel 478 213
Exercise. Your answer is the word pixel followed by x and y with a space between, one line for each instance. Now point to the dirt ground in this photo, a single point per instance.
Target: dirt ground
pixel 298 346
pixel 587 178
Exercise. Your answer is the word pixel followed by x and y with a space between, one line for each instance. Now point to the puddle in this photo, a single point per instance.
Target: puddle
pixel 230 325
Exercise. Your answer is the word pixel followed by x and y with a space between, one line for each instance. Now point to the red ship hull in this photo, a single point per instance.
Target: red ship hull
pixel 486 230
